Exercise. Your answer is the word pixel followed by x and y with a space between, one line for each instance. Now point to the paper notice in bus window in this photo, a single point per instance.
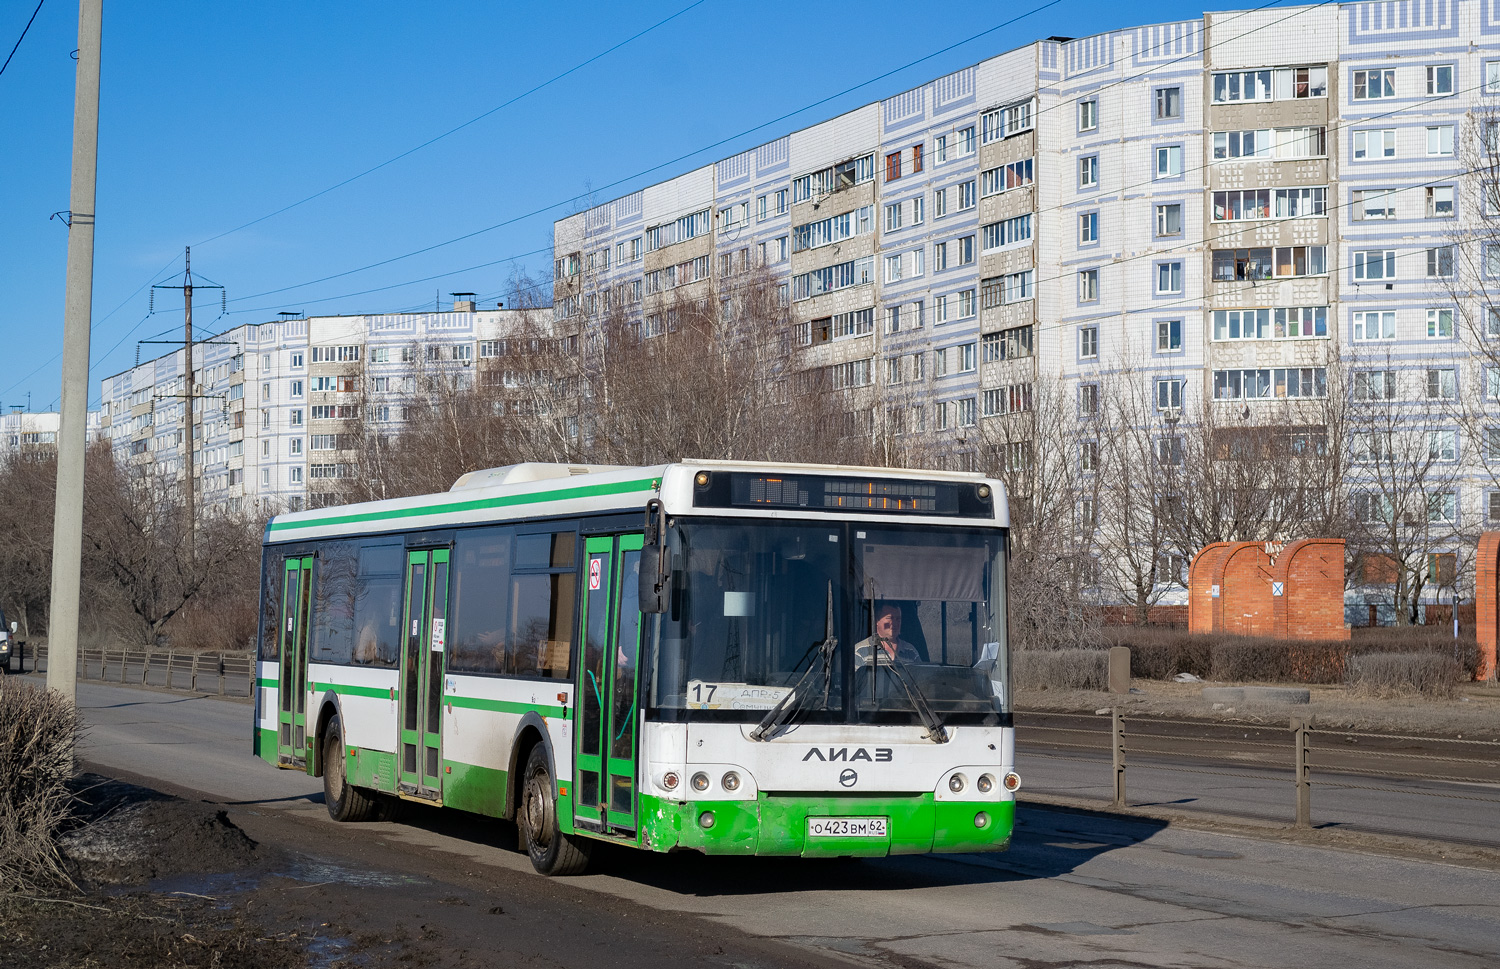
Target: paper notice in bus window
pixel 438 629
pixel 703 695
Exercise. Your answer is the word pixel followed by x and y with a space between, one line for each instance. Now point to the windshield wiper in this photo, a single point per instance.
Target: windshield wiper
pixel 935 731
pixel 791 703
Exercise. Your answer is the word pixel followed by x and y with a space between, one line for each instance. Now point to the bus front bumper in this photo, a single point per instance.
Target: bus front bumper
pixel 775 824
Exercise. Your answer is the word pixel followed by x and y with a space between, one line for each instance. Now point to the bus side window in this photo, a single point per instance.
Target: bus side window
pixel 377 606
pixel 478 614
pixel 543 590
pixel 334 590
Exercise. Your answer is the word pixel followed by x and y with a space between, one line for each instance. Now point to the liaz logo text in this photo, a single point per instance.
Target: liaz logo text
pixel 882 754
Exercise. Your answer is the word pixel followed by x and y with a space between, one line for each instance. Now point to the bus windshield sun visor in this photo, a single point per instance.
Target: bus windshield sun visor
pixel 915 572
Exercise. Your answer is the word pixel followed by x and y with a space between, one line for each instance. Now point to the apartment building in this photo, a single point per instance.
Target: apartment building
pixel 22 430
pixel 276 404
pixel 1216 211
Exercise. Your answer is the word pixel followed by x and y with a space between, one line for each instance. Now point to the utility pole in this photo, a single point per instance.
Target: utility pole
pixel 190 488
pixel 78 305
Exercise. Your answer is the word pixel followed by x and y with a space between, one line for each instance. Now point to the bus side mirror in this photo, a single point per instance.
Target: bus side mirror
pixel 13 627
pixel 655 579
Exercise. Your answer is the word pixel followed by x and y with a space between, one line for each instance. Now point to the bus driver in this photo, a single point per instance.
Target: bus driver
pixel 885 645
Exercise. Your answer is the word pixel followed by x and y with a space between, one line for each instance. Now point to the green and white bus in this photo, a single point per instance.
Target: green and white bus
pixel 727 657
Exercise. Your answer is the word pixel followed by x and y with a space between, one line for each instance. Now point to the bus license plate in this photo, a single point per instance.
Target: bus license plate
pixel 846 827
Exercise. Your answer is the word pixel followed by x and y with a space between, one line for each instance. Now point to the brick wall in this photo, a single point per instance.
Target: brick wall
pixel 1298 594
pixel 1487 624
pixel 1311 573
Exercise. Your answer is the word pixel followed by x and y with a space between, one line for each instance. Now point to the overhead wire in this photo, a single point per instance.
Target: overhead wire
pixel 24 31
pixel 454 130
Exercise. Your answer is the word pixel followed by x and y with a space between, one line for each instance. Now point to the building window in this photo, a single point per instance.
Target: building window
pixel 965 411
pixel 1088 456
pixel 964 251
pixel 1088 342
pixel 1001 235
pixel 1375 143
pixel 1169 219
pixel 966 195
pixel 1168 336
pixel 1440 140
pixel 1374 325
pixel 1442 445
pixel 1374 204
pixel 1088 228
pixel 1168 161
pixel 917 206
pixel 1088 115
pixel 1168 103
pixel 1169 394
pixel 1375 264
pixel 1270 383
pixel 893 166
pixel 1375 385
pixel 1374 85
pixel 296 388
pixel 1088 400
pixel 1439 79
pixel 1088 172
pixel 1442 384
pixel 916 158
pixel 1168 278
pixel 1442 506
pixel 1088 286
pixel 1439 263
pixel 1169 451
pixel 1439 201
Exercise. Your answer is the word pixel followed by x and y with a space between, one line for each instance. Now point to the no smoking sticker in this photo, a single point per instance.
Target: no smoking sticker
pixel 595 567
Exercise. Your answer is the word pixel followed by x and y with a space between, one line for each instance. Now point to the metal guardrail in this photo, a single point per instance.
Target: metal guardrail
pixel 1309 753
pixel 223 673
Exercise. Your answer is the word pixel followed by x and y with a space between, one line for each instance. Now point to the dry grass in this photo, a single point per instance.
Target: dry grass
pixel 1387 675
pixel 38 735
pixel 1160 654
pixel 1060 669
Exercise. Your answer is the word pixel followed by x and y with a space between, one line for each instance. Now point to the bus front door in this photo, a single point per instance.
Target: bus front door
pixel 608 715
pixel 421 700
pixel 291 686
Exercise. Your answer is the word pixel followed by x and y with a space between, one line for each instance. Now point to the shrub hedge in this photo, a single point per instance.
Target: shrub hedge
pixel 38 734
pixel 1404 674
pixel 1060 669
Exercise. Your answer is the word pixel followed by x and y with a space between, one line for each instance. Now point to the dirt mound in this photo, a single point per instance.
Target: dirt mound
pixel 127 835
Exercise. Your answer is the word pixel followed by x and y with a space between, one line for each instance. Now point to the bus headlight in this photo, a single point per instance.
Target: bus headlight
pixel 700 781
pixel 1012 781
pixel 670 780
pixel 986 783
pixel 731 781
pixel 956 783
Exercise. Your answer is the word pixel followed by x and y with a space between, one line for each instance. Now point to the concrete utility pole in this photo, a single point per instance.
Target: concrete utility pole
pixel 72 433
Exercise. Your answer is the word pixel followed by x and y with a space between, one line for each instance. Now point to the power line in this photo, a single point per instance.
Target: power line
pixel 697 151
pixel 24 31
pixel 431 141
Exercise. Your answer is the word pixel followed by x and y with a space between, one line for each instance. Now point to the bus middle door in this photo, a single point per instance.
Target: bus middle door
pixel 291 687
pixel 607 754
pixel 421 701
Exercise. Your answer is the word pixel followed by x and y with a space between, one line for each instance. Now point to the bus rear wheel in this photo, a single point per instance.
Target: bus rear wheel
pixel 551 851
pixel 344 801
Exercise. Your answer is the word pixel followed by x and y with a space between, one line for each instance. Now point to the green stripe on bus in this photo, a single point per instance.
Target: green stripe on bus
pixel 586 491
pixel 378 692
pixel 503 706
pixel 263 682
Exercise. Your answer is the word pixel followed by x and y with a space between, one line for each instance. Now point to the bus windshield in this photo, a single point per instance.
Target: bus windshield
pixel 870 622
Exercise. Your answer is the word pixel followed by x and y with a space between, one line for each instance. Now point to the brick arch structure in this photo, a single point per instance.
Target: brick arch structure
pixel 1200 587
pixel 1311 606
pixel 1487 603
pixel 1243 575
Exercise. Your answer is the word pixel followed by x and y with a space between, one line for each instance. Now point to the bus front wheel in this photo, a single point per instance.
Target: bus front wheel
pixel 551 851
pixel 344 801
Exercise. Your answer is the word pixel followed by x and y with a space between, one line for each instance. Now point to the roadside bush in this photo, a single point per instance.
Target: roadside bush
pixel 1060 669
pixel 1404 674
pixel 38 734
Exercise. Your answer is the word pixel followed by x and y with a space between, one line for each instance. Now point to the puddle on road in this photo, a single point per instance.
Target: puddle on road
pixel 322 873
pixel 327 951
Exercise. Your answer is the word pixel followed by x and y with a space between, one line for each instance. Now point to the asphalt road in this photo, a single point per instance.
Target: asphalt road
pixel 1075 889
pixel 1248 771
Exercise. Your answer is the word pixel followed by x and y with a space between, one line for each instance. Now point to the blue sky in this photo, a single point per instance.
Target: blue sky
pixel 213 115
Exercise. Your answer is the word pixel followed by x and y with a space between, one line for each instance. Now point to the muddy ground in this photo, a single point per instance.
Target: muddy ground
pixel 166 882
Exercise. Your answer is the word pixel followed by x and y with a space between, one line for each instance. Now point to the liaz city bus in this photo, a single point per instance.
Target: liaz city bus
pixel 732 658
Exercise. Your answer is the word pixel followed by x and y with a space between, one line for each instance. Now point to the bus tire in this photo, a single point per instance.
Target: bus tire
pixel 344 801
pixel 551 851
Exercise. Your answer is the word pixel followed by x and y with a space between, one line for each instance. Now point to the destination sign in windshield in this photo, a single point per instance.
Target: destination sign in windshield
pixel 891 496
